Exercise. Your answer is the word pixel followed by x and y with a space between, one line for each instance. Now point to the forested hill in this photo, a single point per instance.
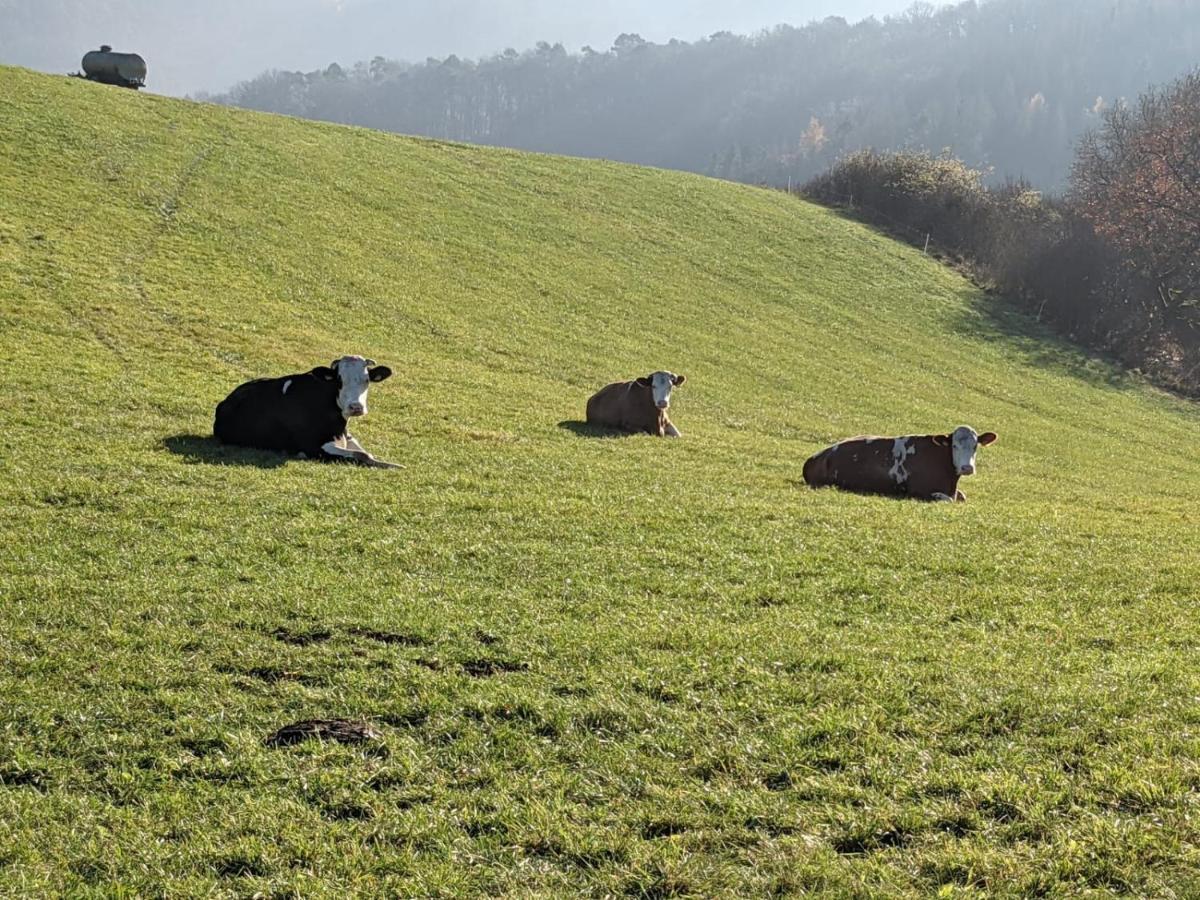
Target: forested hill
pixel 1008 84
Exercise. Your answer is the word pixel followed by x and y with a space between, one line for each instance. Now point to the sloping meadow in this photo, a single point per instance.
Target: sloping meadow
pixel 593 664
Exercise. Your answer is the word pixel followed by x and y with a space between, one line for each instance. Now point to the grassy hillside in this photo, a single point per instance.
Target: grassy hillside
pixel 600 665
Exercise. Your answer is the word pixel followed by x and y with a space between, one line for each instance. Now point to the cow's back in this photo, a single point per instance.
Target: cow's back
pixel 623 404
pixel 262 414
pixel 605 402
pixel 238 414
pixel 861 464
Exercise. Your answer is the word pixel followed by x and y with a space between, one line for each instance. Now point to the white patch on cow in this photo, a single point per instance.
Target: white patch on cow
pixel 287 384
pixel 660 388
pixel 943 498
pixel 348 448
pixel 352 394
pixel 963 444
pixel 902 449
pixel 338 448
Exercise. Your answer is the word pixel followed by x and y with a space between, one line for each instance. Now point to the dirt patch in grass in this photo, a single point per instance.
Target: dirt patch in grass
pixel 658 691
pixel 302 638
pixel 239 866
pixel 778 781
pixel 856 841
pixel 344 731
pixel 398 638
pixel 769 826
pixel 272 675
pixel 347 811
pixel 34 778
pixel 663 828
pixel 485 668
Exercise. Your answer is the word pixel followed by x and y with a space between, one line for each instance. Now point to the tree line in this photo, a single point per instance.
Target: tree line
pixel 1007 85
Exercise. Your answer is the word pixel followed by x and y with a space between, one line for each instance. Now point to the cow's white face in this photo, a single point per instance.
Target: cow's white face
pixel 660 384
pixel 963 444
pixel 355 375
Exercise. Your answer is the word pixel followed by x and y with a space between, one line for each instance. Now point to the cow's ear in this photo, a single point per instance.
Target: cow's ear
pixel 943 440
pixel 379 373
pixel 324 373
pixel 988 437
pixel 678 380
pixel 645 381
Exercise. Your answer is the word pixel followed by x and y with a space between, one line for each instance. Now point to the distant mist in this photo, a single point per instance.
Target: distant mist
pixel 208 45
pixel 1007 85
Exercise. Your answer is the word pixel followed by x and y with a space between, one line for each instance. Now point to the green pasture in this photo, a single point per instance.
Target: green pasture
pixel 600 666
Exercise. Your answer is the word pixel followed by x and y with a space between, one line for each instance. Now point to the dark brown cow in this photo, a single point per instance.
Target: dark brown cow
pixel 924 466
pixel 639 405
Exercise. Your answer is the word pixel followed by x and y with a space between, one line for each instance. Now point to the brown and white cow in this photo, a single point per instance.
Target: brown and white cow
pixel 638 405
pixel 924 466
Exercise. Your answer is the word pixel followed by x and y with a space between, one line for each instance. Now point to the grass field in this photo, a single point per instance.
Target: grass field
pixel 603 666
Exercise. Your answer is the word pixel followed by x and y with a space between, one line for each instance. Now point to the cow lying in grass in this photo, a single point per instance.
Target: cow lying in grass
pixel 925 466
pixel 639 405
pixel 305 413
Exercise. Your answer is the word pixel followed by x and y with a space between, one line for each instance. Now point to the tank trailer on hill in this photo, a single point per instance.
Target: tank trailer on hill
pixel 121 69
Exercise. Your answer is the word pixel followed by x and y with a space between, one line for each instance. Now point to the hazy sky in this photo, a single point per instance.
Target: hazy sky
pixel 194 45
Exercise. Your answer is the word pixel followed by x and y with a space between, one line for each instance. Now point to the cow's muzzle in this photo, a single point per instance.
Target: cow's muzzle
pixel 663 404
pixel 355 409
pixel 966 470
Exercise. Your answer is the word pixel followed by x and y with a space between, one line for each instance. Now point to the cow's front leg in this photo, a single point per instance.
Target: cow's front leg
pixel 351 443
pixel 367 459
pixel 960 497
pixel 671 431
pixel 942 498
pixel 337 450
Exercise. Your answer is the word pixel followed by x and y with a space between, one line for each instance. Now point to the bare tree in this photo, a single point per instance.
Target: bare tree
pixel 1137 179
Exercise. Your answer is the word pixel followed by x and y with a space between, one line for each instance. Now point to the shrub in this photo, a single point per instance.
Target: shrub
pixel 1056 256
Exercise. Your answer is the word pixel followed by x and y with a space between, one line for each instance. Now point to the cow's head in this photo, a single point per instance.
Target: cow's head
pixel 660 384
pixel 353 375
pixel 963 442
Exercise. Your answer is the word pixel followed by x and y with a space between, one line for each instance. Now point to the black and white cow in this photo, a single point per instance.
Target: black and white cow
pixel 305 413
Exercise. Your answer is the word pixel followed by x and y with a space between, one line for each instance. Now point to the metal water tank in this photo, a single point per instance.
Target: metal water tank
pixel 124 69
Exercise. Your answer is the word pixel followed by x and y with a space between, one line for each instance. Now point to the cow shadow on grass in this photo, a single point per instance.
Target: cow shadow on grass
pixel 206 449
pixel 588 430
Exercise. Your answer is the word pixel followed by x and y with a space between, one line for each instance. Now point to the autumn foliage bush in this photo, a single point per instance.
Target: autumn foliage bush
pixel 1115 263
pixel 1137 180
